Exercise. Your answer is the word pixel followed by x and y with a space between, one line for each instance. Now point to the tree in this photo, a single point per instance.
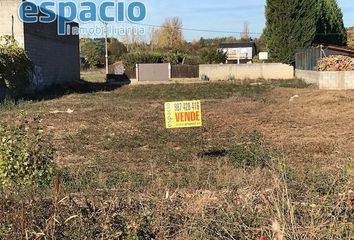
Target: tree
pixel 213 56
pixel 93 51
pixel 330 25
pixel 116 50
pixel 292 24
pixel 170 34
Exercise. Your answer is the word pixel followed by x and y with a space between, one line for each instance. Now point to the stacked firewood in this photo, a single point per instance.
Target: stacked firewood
pixel 336 63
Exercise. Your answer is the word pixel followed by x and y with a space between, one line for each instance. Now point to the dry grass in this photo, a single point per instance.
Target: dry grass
pixel 123 176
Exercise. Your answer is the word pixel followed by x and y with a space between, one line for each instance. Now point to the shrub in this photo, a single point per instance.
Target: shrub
pixel 26 156
pixel 213 56
pixel 249 151
pixel 15 66
pixel 131 59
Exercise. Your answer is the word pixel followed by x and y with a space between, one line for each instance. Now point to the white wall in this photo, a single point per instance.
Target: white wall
pixel 9 8
pixel 217 72
pixel 336 80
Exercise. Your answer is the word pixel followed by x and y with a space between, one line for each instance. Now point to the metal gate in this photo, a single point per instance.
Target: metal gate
pixel 153 72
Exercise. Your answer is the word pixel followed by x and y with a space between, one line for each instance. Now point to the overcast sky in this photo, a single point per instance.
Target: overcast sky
pixel 222 15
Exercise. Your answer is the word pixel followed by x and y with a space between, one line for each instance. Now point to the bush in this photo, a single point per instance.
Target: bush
pixel 213 56
pixel 15 66
pixel 249 152
pixel 26 156
pixel 131 59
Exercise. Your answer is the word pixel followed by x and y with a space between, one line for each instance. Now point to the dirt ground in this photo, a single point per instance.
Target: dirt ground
pixel 306 121
pixel 115 142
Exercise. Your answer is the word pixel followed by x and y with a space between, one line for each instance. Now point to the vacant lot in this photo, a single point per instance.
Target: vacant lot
pixel 270 160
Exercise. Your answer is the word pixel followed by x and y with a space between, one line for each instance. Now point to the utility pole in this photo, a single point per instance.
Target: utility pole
pixel 106 43
pixel 12 26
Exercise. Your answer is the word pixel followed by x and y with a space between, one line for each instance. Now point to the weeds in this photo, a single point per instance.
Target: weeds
pixel 294 83
pixel 250 152
pixel 26 156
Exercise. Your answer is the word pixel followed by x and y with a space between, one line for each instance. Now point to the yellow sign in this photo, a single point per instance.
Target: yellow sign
pixel 183 114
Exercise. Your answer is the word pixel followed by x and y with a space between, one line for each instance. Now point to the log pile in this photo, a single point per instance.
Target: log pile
pixel 336 63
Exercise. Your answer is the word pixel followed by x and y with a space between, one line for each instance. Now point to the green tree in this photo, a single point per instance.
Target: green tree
pixel 330 25
pixel 116 50
pixel 93 52
pixel 290 24
pixel 213 56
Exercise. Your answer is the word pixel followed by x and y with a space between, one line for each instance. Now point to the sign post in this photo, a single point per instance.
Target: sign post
pixel 263 56
pixel 183 114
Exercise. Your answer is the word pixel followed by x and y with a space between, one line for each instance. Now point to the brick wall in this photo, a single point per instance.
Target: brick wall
pixel 9 9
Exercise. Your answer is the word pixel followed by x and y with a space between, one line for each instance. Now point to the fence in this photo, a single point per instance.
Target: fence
pixel 177 71
pixel 214 72
pixel 307 58
pixel 131 74
pixel 185 71
pixel 153 72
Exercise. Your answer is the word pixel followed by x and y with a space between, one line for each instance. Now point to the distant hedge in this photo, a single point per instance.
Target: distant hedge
pixel 131 59
pixel 15 66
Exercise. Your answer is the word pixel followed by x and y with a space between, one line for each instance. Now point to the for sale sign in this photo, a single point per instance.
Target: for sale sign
pixel 184 114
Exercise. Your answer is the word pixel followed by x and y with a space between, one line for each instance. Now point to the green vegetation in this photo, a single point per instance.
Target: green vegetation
pixel 249 152
pixel 301 23
pixel 93 52
pixel 166 44
pixel 26 156
pixel 330 24
pixel 213 56
pixel 294 83
pixel 15 67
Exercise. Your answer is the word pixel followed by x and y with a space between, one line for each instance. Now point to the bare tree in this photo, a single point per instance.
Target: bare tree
pixel 170 34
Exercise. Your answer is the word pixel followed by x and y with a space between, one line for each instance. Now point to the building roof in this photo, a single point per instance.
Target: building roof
pixel 339 48
pixel 237 45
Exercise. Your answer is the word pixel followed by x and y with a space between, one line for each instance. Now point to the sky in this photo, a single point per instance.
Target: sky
pixel 224 15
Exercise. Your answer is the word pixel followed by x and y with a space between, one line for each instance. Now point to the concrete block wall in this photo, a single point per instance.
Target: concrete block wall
pixel 57 58
pixel 311 77
pixel 9 9
pixel 336 80
pixel 217 72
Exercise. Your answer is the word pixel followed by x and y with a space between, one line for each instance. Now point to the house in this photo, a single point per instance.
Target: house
pixel 56 58
pixel 240 52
